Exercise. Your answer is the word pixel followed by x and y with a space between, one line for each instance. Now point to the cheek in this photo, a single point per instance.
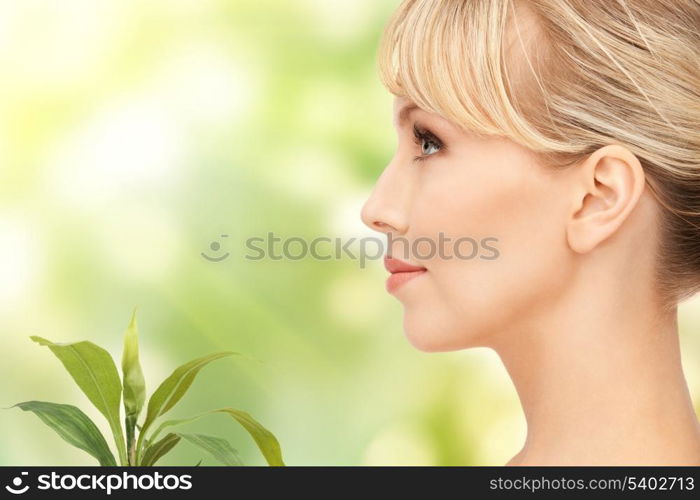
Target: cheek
pixel 490 283
pixel 503 196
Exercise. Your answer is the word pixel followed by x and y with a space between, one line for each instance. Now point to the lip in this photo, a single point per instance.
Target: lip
pixel 401 273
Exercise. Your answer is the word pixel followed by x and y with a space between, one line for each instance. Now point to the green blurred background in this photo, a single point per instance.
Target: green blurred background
pixel 133 135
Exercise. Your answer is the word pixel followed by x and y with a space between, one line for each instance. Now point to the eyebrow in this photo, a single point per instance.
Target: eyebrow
pixel 405 112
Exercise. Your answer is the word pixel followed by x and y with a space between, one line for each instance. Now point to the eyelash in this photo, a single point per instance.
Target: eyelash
pixel 419 136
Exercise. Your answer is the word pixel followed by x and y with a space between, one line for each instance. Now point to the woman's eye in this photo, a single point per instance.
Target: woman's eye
pixel 428 147
pixel 429 144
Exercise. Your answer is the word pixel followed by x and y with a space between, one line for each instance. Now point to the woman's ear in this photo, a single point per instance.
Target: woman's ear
pixel 609 184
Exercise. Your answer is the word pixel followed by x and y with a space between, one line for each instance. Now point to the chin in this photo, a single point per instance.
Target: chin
pixel 435 336
pixel 428 331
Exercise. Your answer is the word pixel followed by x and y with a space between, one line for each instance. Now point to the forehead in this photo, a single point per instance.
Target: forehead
pixel 404 107
pixel 403 103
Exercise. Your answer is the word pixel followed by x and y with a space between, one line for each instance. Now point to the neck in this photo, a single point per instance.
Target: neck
pixel 600 380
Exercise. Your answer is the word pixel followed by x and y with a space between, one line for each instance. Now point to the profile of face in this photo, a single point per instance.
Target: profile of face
pixel 447 184
pixel 542 201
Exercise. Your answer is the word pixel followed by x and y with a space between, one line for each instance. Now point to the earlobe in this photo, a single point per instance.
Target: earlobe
pixel 608 185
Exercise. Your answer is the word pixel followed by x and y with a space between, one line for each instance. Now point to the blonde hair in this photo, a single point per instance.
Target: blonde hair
pixel 583 74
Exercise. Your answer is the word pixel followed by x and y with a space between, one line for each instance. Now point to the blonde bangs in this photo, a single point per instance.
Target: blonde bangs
pixel 449 57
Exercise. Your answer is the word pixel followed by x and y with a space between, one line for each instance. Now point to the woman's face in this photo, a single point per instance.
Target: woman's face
pixel 485 220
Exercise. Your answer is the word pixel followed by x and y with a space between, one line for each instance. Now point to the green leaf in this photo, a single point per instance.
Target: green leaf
pixel 266 441
pixel 73 426
pixel 93 369
pixel 178 421
pixel 134 385
pixel 156 451
pixel 173 388
pixel 217 447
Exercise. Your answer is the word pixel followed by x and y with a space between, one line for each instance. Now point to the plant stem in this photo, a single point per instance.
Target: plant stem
pixel 139 445
pixel 119 440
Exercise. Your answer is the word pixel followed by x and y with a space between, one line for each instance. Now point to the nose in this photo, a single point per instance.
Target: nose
pixel 386 208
